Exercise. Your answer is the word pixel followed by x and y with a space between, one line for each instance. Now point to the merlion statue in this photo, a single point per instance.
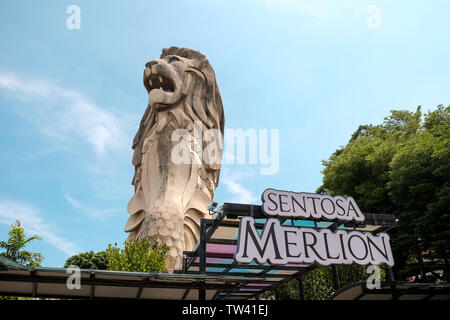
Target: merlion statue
pixel 171 196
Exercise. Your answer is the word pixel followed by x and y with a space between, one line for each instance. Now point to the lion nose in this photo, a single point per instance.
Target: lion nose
pixel 150 63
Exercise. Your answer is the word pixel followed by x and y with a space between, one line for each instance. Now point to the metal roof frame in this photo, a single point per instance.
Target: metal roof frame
pixel 394 291
pixel 196 261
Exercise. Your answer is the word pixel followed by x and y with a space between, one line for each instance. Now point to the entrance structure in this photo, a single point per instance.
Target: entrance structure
pixel 215 253
pixel 209 270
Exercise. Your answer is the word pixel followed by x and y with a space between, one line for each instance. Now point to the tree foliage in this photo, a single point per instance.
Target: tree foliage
pixel 14 245
pixel 13 251
pixel 401 167
pixel 89 260
pixel 138 256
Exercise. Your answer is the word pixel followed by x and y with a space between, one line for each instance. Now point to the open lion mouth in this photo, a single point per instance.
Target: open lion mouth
pixel 156 81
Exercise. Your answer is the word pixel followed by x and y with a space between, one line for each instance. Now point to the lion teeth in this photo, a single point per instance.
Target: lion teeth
pixel 151 82
pixel 160 79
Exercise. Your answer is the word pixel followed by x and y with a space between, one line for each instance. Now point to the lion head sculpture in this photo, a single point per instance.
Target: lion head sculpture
pixel 171 197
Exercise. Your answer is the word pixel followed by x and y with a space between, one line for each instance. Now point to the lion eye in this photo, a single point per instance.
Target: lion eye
pixel 173 59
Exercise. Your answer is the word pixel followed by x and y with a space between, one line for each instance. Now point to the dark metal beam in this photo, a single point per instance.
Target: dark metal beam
pixel 202 247
pixel 118 283
pixel 229 267
pixel 300 288
pixel 235 210
pixel 296 275
pixel 336 280
pixel 390 274
pixel 186 292
pixel 244 274
pixel 249 266
pixel 32 276
pixel 138 296
pixel 201 294
pixel 92 278
pixel 223 241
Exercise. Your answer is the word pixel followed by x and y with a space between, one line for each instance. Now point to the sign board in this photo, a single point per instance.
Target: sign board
pixel 309 206
pixel 280 244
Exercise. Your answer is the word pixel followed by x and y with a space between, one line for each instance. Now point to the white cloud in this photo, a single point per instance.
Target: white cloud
pixel 320 9
pixel 234 186
pixel 91 212
pixel 66 114
pixel 31 220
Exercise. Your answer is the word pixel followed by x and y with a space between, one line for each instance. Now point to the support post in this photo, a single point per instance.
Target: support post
pixel 300 288
pixel 336 281
pixel 202 252
pixel 202 293
pixel 32 273
pixel 92 293
pixel 390 275
pixel 184 263
pixel 395 294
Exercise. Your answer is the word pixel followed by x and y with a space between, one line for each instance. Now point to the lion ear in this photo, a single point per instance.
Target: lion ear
pixel 197 72
pixel 192 73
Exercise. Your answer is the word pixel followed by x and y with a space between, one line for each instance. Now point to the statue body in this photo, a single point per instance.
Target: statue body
pixel 170 197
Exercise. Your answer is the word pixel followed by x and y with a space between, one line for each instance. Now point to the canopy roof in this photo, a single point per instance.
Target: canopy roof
pixel 96 284
pixel 395 291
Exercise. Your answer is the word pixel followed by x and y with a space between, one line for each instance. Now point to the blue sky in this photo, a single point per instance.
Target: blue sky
pixel 71 100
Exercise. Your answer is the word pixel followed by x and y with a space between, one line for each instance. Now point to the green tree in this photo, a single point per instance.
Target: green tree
pixel 401 167
pixel 14 245
pixel 419 186
pixel 89 260
pixel 14 251
pixel 137 256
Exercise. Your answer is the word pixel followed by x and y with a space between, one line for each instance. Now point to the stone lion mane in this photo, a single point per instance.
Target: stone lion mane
pixel 154 216
pixel 204 102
